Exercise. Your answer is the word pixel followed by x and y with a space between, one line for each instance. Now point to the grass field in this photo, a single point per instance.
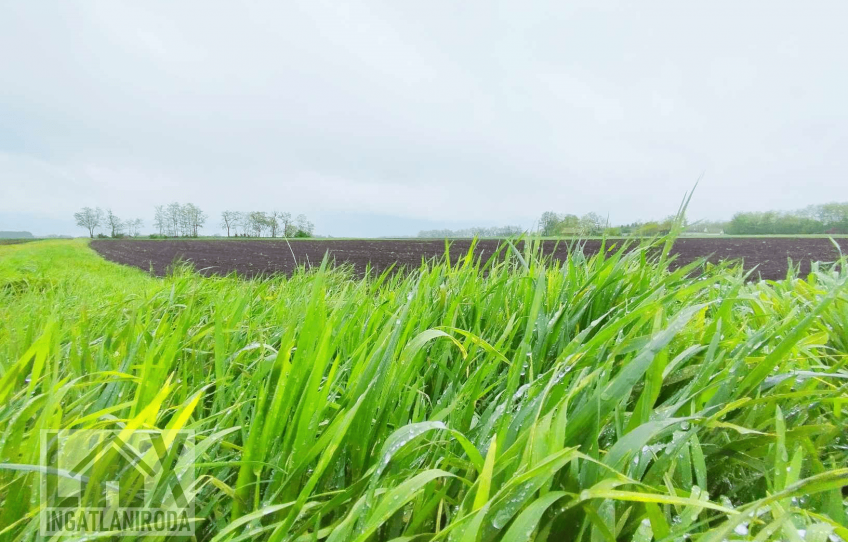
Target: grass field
pixel 606 398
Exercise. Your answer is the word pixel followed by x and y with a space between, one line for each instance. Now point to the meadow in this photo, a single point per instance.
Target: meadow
pixel 606 397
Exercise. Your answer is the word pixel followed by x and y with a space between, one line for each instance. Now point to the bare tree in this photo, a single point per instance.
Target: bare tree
pixel 194 218
pixel 115 224
pixel 242 223
pixel 185 221
pixel 160 220
pixel 89 219
pixel 229 220
pixel 173 217
pixel 134 226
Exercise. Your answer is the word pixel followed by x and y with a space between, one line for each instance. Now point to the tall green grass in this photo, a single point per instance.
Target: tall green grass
pixel 603 398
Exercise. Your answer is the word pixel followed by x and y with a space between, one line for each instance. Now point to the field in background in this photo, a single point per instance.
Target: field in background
pixel 608 398
pixel 769 255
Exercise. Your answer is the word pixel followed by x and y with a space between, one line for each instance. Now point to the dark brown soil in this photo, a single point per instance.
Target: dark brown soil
pixel 261 257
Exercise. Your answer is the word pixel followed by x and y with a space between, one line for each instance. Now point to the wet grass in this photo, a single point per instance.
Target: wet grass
pixel 603 398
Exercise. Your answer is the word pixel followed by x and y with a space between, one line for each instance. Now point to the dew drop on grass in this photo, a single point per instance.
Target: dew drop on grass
pixel 501 519
pixel 520 391
pixel 741 529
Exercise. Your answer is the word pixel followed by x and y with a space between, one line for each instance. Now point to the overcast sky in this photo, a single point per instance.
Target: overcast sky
pixel 382 118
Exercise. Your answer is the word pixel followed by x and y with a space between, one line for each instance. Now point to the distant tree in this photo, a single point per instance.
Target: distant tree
pixel 279 222
pixel 706 226
pixel 649 228
pixel 194 218
pixel 89 219
pixel 185 222
pixel 570 222
pixel 304 226
pixel 160 220
pixel 290 229
pixel 134 226
pixel 285 223
pixel 273 222
pixel 176 220
pixel 548 223
pixel 242 223
pixel 257 222
pixel 592 224
pixel 115 224
pixel 496 231
pixel 826 218
pixel 173 219
pixel 22 235
pixel 228 220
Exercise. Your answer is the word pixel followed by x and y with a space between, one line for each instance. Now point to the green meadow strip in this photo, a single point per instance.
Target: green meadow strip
pixel 604 397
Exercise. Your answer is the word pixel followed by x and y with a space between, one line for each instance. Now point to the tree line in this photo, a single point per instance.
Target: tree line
pixel 265 224
pixel 496 231
pixel 176 220
pixel 186 220
pixel 825 218
pixel 93 219
pixel 553 224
